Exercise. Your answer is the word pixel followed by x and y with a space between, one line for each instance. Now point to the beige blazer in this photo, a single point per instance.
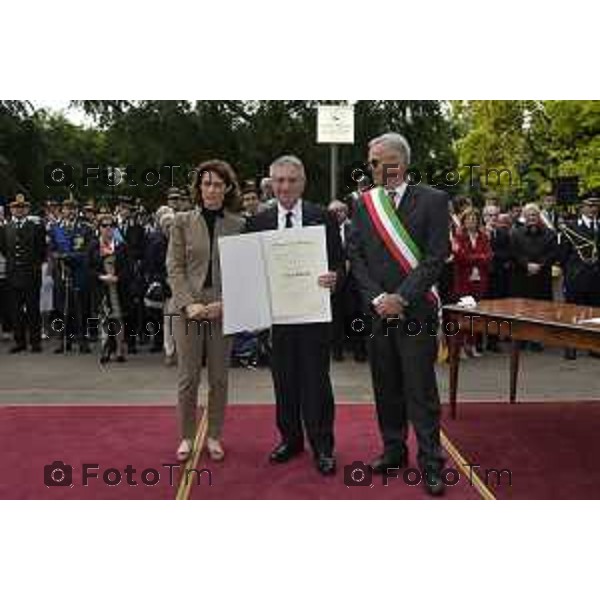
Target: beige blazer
pixel 188 255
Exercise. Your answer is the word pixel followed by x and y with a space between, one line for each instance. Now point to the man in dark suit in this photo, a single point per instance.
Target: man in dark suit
pixel 402 359
pixel 23 243
pixel 578 252
pixel 346 301
pixel 132 233
pixel 300 353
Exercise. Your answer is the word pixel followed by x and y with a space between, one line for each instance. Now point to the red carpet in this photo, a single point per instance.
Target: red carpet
pixel 246 474
pixel 145 437
pixel 111 436
pixel 551 449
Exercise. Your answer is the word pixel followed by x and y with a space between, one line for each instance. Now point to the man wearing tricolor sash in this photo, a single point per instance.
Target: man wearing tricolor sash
pixel 397 247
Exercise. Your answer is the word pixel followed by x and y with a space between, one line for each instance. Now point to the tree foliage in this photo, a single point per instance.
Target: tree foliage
pixel 537 141
pixel 249 134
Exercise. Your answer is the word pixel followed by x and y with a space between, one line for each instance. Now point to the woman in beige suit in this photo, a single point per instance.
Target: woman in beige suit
pixel 195 279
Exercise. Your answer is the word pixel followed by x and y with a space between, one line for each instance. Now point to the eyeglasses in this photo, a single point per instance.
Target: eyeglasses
pixel 106 224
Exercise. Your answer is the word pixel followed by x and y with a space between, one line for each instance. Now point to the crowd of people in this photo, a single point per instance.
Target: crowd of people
pixel 55 279
pixel 393 250
pixel 79 273
pixel 537 251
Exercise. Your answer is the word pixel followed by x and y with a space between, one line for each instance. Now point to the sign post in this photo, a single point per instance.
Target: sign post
pixel 335 125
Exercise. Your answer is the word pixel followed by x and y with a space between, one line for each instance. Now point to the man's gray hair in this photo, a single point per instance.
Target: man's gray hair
pixel 533 207
pixel 288 159
pixel 395 142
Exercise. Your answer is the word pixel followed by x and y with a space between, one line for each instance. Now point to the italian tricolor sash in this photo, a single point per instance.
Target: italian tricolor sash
pixel 394 235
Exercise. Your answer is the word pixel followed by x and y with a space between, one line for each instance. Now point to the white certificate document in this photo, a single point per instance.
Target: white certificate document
pixel 270 277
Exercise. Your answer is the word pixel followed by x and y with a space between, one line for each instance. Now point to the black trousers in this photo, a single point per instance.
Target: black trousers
pixel 584 288
pixel 405 388
pixel 74 308
pixel 338 310
pixel 6 309
pixel 25 304
pixel 345 305
pixel 303 393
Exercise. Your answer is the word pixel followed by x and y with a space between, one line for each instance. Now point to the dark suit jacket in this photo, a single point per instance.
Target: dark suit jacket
pixel 122 271
pixel 424 213
pixel 26 268
pixel 500 274
pixel 538 246
pixel 312 214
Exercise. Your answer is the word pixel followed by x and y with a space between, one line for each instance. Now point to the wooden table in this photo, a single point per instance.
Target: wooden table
pixel 517 319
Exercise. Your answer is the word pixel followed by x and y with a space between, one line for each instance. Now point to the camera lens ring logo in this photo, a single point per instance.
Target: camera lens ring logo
pixel 53 326
pixel 55 179
pixel 361 322
pixel 362 473
pixel 60 479
pixel 361 175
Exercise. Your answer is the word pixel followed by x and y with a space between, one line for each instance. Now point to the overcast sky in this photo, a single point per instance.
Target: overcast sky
pixel 74 115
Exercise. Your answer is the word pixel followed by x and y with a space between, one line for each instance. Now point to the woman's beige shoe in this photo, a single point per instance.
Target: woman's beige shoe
pixel 214 449
pixel 185 450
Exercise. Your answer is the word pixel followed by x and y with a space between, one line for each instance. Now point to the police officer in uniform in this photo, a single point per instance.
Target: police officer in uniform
pixel 579 245
pixel 23 243
pixel 69 240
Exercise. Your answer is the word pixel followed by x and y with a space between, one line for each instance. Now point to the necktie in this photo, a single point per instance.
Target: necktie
pixel 288 220
pixel 393 197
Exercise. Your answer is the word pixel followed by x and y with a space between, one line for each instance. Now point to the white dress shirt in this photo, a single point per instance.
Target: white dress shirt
pixel 296 211
pixel 398 193
pixel 588 222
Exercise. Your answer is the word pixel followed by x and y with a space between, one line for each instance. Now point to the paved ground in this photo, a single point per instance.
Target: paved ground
pixel 51 379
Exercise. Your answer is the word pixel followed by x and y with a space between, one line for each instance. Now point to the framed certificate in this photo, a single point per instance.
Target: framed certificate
pixel 270 277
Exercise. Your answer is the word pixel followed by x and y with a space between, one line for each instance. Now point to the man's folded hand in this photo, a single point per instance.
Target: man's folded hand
pixel 328 280
pixel 214 311
pixel 390 305
pixel 195 311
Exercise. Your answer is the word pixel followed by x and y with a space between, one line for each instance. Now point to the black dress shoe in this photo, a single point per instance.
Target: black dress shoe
pixel 434 484
pixel 387 461
pixel 285 452
pixel 36 349
pixel 326 464
pixel 84 349
pixel 17 349
pixel 570 354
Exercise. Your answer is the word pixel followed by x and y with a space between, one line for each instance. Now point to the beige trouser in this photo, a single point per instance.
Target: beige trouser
pixel 189 366
pixel 168 324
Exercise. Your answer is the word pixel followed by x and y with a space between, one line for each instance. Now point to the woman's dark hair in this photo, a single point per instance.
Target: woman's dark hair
pixel 225 171
pixel 470 211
